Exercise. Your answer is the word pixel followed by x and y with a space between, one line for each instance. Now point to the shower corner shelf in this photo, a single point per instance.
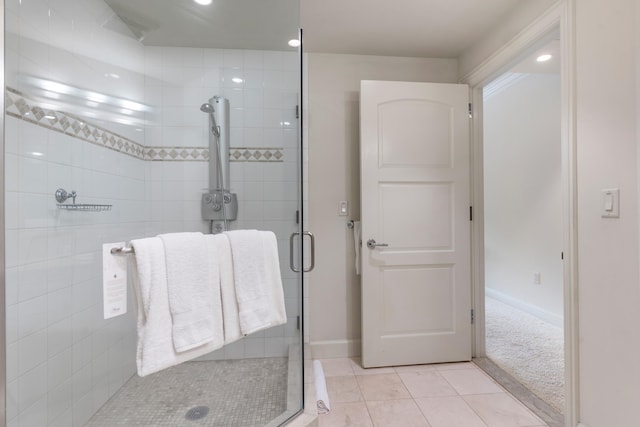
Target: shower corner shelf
pixel 84 207
pixel 61 196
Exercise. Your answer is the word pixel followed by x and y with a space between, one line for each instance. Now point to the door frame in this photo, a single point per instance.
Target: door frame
pixel 560 16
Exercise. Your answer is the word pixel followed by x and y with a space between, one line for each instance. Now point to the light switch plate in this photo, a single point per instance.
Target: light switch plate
pixel 343 208
pixel 610 203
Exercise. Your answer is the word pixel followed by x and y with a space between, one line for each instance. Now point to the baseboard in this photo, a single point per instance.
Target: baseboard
pixel 547 316
pixel 334 349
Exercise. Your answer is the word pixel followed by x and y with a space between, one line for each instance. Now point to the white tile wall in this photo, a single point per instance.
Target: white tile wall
pixel 63 359
pixel 59 350
pixel 57 340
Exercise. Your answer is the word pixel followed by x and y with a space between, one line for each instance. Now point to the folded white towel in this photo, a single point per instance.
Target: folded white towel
pixel 322 397
pixel 357 241
pixel 218 246
pixel 193 285
pixel 155 350
pixel 273 278
pixel 258 285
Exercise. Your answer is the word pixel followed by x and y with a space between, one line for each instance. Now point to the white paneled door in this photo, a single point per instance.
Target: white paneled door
pixel 416 292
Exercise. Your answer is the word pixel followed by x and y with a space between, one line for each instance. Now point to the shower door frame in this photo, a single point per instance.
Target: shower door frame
pixel 3 343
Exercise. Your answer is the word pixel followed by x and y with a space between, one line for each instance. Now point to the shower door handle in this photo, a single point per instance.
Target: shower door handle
pixel 313 251
pixel 291 251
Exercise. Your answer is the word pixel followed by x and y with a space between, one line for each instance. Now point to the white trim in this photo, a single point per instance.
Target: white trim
pixel 502 83
pixel 477 225
pixel 499 62
pixel 562 15
pixel 547 316
pixel 570 217
pixel 334 349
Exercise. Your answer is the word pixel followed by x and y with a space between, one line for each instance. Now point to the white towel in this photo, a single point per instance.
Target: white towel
pixel 357 240
pixel 323 404
pixel 193 285
pixel 218 245
pixel 155 350
pixel 273 278
pixel 258 285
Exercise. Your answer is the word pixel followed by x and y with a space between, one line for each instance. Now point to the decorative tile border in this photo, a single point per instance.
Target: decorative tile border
pixel 21 107
pixel 249 154
pixel 237 154
pixel 160 154
pixel 18 106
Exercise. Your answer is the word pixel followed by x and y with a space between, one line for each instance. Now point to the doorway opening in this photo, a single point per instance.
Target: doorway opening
pixel 523 223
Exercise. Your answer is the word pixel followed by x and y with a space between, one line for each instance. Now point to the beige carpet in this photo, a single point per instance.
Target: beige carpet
pixel 529 349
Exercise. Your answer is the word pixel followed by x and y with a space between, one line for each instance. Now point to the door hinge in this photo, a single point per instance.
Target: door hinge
pixel 298 322
pixel 297 217
pixel 470 111
pixel 470 213
pixel 561 255
pixel 297 111
pixel 473 316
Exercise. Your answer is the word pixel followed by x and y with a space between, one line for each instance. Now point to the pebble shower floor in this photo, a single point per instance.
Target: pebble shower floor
pixel 237 393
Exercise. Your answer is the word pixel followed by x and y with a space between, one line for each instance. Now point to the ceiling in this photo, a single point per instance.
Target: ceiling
pixel 420 28
pixel 230 24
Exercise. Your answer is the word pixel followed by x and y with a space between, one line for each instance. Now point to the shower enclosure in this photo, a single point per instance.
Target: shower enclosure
pixel 103 103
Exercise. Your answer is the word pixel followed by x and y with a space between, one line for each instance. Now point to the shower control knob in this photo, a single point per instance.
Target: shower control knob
pixel 207 198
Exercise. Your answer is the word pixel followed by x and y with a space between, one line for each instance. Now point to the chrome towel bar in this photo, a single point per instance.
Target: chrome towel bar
pixel 123 251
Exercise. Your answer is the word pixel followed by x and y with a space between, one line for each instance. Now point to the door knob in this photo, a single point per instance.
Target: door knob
pixel 371 244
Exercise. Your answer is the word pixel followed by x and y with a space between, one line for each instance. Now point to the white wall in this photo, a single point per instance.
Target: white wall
pixel 607 143
pixel 523 193
pixel 334 175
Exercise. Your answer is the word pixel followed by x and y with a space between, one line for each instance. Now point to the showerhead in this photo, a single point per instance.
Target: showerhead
pixel 207 108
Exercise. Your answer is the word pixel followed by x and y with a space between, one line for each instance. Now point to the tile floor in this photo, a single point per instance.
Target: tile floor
pixel 443 395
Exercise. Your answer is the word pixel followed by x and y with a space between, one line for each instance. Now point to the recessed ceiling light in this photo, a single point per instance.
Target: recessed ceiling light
pixel 203 2
pixel 543 58
pixel 236 80
pixel 112 75
pixel 294 43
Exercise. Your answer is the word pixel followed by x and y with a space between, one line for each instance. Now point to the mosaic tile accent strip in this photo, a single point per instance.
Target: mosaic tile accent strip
pixel 250 154
pixel 19 106
pixel 159 154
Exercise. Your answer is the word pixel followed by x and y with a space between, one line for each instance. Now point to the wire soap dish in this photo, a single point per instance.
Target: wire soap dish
pixel 62 196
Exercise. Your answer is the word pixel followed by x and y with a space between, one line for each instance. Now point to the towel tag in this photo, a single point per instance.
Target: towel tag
pixel 114 281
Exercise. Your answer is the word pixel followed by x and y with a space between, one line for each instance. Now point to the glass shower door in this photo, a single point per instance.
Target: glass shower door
pixel 105 142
